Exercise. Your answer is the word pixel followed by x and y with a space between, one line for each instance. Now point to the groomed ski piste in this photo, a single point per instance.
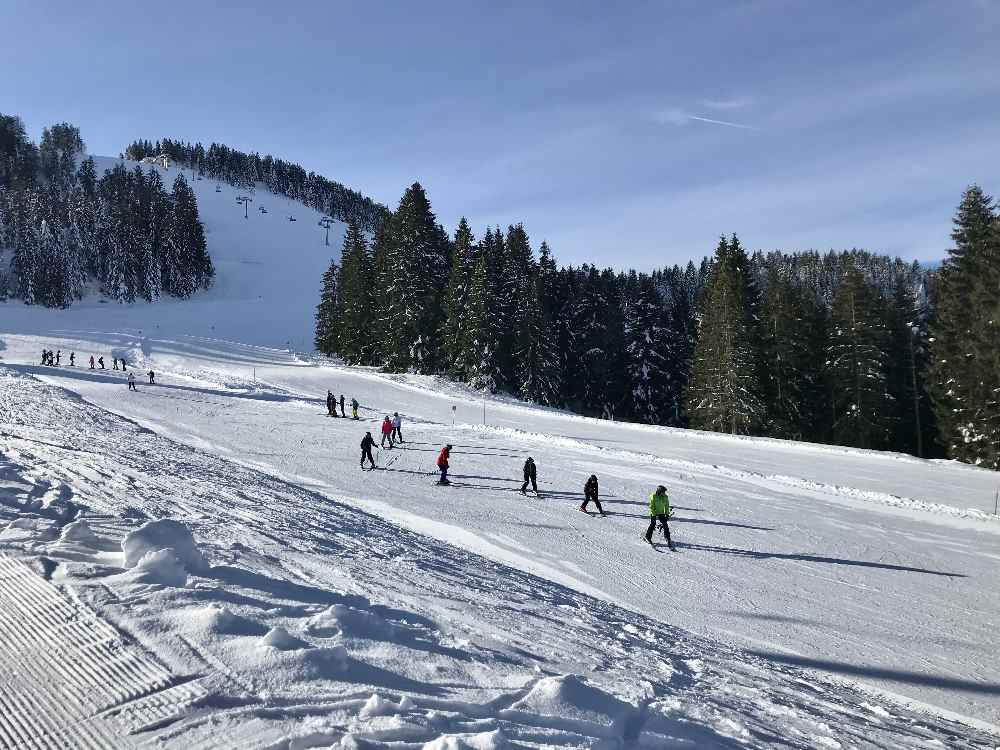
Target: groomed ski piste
pixel 203 564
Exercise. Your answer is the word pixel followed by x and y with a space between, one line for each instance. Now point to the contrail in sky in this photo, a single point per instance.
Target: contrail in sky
pixel 723 122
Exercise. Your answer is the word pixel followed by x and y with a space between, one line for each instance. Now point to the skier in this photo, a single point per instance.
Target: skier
pixel 91 361
pixel 529 476
pixel 442 464
pixel 131 382
pixel 72 359
pixel 659 510
pixel 58 356
pixel 590 494
pixel 331 408
pixel 342 412
pixel 354 408
pixel 45 357
pixel 123 364
pixel 367 443
pixel 152 377
pixel 114 363
pixel 100 361
pixel 397 427
pixel 387 431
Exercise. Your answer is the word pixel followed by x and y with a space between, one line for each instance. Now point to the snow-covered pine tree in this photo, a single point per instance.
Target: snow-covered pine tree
pixel 354 312
pixel 647 350
pixel 964 376
pixel 59 148
pixel 417 278
pixel 480 358
pixel 539 369
pixel 327 336
pixel 723 393
pixel 862 404
pixel 513 291
pixel 186 263
pixel 790 372
pixel 456 312
pixel 907 366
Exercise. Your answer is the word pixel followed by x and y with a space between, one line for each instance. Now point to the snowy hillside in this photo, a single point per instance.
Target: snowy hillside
pixel 329 605
pixel 268 272
pixel 202 563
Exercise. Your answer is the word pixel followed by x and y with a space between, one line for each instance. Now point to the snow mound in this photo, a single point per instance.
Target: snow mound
pixel 483 741
pixel 78 532
pixel 569 703
pixel 379 706
pixel 160 567
pixel 220 620
pixel 164 534
pixel 279 638
pixel 349 622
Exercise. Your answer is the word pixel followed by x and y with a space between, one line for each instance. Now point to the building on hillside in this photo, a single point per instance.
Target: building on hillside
pixel 162 160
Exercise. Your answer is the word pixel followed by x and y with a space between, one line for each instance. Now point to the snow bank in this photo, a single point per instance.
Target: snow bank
pixel 160 567
pixel 570 704
pixel 165 534
pixel 349 622
pixel 483 741
pixel 281 639
pixel 78 532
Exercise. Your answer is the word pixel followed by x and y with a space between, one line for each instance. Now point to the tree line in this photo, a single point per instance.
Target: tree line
pixel 848 348
pixel 66 229
pixel 220 162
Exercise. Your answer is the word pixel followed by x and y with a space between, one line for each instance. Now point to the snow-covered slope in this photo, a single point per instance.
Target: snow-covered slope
pixel 820 596
pixel 861 567
pixel 268 274
pixel 296 620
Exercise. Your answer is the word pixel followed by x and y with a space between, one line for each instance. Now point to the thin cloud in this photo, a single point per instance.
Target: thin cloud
pixel 726 104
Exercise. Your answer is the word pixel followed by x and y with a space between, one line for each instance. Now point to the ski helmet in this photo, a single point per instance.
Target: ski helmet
pixel 661 490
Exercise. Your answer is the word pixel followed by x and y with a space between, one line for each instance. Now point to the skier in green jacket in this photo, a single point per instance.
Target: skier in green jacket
pixel 659 510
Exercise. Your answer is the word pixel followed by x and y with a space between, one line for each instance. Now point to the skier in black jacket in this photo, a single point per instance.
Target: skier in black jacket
pixel 590 494
pixel 529 476
pixel 342 412
pixel 367 443
pixel 331 407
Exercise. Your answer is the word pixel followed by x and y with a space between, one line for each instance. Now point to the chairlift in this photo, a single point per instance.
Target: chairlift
pixel 218 188
pixel 291 218
pixel 262 209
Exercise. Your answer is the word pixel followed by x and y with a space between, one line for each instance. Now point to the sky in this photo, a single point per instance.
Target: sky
pixel 628 134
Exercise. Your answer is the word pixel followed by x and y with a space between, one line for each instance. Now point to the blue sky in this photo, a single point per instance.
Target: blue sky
pixel 626 134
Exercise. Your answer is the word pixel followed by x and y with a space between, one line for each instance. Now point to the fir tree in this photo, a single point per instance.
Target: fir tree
pixel 862 404
pixel 456 313
pixel 964 373
pixel 647 348
pixel 353 316
pixel 327 333
pixel 416 281
pixel 538 368
pixel 480 359
pixel 723 392
pixel 790 371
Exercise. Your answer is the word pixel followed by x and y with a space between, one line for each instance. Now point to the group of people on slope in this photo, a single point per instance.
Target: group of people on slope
pixel 659 501
pixel 53 359
pixel 331 406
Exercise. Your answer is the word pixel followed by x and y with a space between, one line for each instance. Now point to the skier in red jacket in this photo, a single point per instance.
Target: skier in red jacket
pixel 387 431
pixel 442 464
